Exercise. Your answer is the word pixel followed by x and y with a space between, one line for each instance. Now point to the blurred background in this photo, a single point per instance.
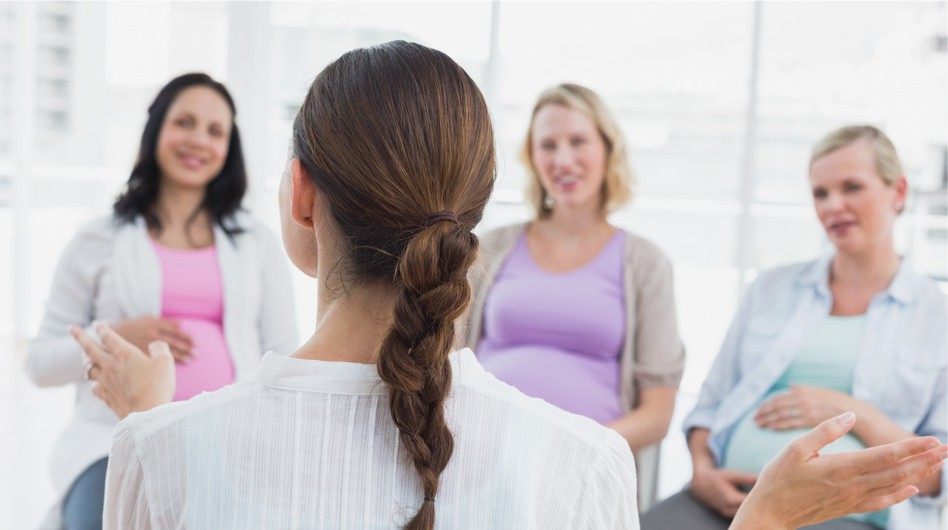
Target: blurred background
pixel 720 103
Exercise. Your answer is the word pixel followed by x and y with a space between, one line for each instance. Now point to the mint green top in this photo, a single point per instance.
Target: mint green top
pixel 826 360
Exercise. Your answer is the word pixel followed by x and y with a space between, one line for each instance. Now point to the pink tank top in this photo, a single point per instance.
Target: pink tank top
pixel 192 294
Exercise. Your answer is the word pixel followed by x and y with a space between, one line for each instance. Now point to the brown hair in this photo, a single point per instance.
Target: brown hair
pixel 391 135
pixel 887 160
pixel 619 178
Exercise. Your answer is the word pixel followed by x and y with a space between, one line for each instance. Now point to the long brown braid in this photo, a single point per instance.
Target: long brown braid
pixel 398 139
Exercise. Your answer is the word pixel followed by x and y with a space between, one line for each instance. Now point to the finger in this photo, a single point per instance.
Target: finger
pixel 175 341
pixel 824 433
pixel 907 472
pixel 740 478
pixel 880 503
pixel 779 403
pixel 785 424
pixel 93 349
pixel 180 356
pixel 114 343
pixel 886 456
pixel 158 349
pixel 171 328
pixel 100 392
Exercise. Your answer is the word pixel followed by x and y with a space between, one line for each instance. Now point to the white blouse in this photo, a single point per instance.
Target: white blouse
pixel 311 444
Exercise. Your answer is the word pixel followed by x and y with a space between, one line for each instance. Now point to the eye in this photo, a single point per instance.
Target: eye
pixel 547 146
pixel 216 132
pixel 578 141
pixel 184 121
pixel 852 187
pixel 819 193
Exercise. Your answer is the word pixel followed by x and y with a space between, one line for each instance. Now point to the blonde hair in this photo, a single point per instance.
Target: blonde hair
pixel 887 160
pixel 619 179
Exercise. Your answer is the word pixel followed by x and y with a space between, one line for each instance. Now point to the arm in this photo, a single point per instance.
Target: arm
pixel 54 358
pixel 648 423
pixel 719 489
pixel 126 504
pixel 607 494
pixel 800 487
pixel 659 355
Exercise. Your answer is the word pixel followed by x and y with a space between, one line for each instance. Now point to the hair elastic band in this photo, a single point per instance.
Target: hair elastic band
pixel 443 215
pixel 429 499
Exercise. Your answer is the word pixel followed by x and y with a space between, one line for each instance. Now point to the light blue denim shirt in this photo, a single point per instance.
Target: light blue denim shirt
pixel 900 368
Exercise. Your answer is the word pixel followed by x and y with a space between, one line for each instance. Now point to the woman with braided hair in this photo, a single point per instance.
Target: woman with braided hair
pixel 374 422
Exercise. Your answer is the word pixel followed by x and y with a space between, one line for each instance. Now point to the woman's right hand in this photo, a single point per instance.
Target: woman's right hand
pixel 126 378
pixel 801 487
pixel 721 489
pixel 143 331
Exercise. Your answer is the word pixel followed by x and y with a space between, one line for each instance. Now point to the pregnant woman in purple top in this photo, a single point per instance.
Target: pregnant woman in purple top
pixel 570 308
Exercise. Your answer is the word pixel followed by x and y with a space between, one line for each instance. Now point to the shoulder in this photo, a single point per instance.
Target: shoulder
pixel 170 421
pixel 498 239
pixel 95 238
pixel 496 407
pixel 641 251
pixel 789 277
pixel 645 261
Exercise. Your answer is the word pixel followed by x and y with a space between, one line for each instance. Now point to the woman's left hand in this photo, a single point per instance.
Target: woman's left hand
pixel 127 379
pixel 802 407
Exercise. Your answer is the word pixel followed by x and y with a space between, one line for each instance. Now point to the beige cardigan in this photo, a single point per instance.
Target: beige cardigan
pixel 652 354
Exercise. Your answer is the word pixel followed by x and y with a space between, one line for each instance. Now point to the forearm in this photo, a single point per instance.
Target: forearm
pixel 648 423
pixel 701 455
pixel 54 361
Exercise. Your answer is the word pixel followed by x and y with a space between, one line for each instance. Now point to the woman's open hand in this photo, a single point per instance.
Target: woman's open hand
pixel 127 379
pixel 800 487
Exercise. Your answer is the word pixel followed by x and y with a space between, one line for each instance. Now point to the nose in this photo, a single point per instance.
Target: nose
pixel 563 157
pixel 832 202
pixel 198 137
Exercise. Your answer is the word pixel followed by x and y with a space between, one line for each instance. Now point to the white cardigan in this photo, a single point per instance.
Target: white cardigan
pixel 110 272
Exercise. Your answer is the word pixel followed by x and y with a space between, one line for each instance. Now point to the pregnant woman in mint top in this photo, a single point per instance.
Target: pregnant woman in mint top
pixel 177 261
pixel 570 308
pixel 854 330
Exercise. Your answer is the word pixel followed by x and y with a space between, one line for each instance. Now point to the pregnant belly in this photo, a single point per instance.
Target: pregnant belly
pixel 573 382
pixel 211 366
pixel 751 447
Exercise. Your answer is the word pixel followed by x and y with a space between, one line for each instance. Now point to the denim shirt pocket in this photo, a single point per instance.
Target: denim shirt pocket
pixel 906 387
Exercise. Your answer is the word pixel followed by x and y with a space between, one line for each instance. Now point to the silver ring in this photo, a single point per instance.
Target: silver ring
pixel 88 370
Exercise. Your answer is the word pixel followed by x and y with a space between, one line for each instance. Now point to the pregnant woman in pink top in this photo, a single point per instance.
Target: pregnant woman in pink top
pixel 178 261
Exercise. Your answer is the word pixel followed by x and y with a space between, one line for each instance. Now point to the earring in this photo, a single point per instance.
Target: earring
pixel 898 206
pixel 548 202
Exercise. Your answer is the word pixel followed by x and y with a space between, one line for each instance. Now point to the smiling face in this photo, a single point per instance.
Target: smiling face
pixel 194 138
pixel 569 157
pixel 855 206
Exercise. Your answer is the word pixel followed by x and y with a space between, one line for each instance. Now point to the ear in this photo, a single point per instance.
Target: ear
pixel 901 191
pixel 302 195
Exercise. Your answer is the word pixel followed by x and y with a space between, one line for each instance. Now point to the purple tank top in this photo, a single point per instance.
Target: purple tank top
pixel 557 336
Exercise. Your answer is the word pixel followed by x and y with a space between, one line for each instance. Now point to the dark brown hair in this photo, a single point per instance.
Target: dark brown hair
pixel 391 135
pixel 224 193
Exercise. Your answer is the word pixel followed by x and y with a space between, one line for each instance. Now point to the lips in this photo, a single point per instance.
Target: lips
pixel 566 182
pixel 191 161
pixel 841 227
